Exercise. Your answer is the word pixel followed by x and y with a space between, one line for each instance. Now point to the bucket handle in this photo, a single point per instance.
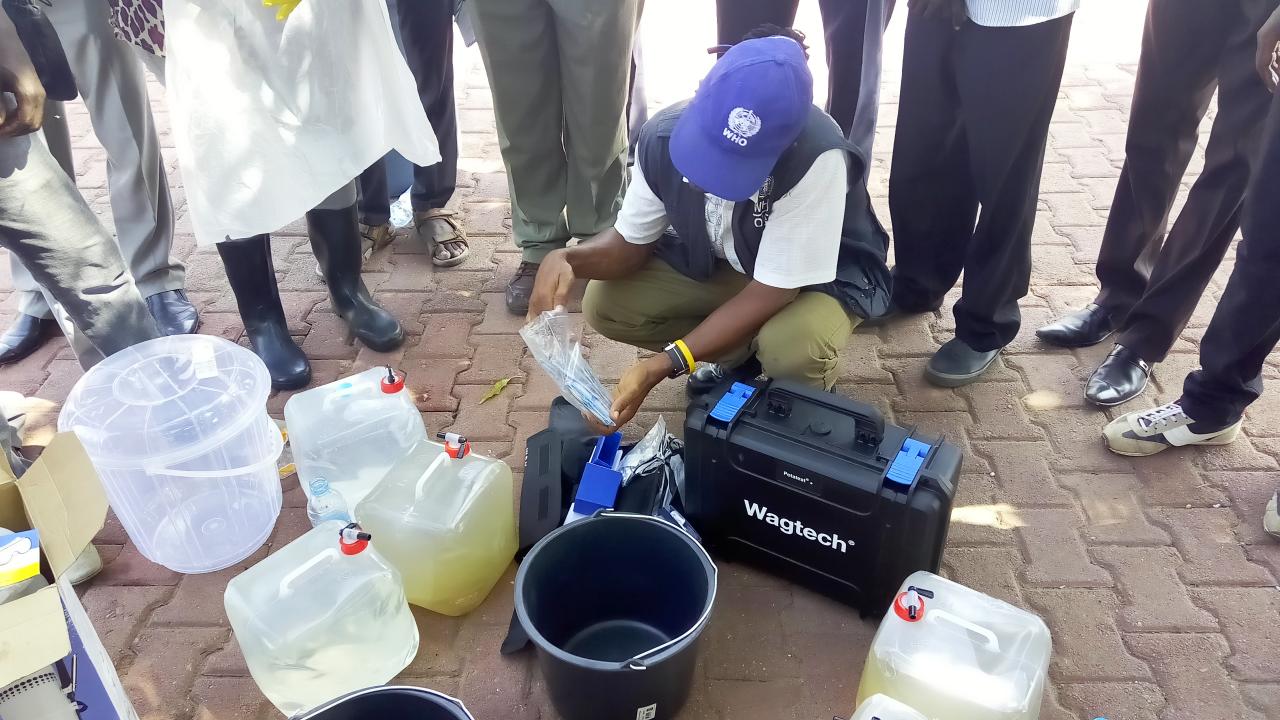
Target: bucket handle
pixel 304 714
pixel 269 461
pixel 992 643
pixel 636 662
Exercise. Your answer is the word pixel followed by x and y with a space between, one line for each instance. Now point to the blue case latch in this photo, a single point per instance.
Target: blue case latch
pixel 904 468
pixel 731 402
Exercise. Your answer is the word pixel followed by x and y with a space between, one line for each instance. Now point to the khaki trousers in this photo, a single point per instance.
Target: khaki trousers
pixel 558 70
pixel 659 305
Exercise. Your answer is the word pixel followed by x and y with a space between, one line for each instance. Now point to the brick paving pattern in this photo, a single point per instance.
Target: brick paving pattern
pixel 1154 576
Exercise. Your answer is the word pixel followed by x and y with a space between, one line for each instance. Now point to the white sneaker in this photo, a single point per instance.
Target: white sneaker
pixel 1147 432
pixel 1271 516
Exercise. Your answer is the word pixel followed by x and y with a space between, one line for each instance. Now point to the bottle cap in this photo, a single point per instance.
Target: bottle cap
pixel 909 606
pixel 352 540
pixel 455 446
pixel 393 382
pixel 319 486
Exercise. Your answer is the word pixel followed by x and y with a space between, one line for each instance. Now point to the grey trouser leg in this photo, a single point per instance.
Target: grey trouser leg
pixel 559 72
pixel 46 224
pixel 114 90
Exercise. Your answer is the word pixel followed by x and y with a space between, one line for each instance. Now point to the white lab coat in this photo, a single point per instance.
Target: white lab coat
pixel 269 118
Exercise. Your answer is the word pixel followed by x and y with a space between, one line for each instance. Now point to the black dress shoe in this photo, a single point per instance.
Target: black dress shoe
pixel 956 364
pixel 520 289
pixel 1120 378
pixel 707 376
pixel 173 312
pixel 1082 328
pixel 25 336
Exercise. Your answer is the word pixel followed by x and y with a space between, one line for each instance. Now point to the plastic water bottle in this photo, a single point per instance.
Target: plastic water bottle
pixel 326 504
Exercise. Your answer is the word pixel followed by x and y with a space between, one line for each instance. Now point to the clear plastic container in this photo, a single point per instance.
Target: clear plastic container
pixel 448 524
pixel 352 431
pixel 880 707
pixel 953 653
pixel 321 617
pixel 177 429
pixel 326 504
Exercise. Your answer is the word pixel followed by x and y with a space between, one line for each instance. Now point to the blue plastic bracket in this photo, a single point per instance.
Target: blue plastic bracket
pixel 904 468
pixel 732 402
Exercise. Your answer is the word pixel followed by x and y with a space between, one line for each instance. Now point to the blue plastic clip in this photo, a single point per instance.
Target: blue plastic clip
pixel 902 471
pixel 731 402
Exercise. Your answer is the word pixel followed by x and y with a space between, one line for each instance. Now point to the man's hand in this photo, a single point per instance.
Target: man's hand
pixel 552 285
pixel 953 11
pixel 1268 60
pixel 18 76
pixel 633 388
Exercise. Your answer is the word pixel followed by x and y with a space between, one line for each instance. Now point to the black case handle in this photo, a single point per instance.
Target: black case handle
pixel 868 420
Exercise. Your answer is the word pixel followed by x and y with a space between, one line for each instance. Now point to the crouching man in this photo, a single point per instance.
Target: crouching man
pixel 746 239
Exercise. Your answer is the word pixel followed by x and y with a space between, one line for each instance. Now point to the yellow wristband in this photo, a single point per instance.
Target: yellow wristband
pixel 684 350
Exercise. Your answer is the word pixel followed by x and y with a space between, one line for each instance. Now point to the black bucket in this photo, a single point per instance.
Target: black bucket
pixel 391 703
pixel 615 605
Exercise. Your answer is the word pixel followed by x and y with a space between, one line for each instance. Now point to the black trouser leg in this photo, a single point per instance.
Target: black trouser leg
pixel 1006 105
pixel 1177 74
pixel 1207 223
pixel 1246 324
pixel 426 29
pixel 932 197
pixel 375 196
pixel 854 31
pixel 735 18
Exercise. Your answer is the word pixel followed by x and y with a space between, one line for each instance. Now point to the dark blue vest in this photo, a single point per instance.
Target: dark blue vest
pixel 862 281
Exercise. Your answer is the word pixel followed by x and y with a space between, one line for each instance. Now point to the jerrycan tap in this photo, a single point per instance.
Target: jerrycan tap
pixel 353 540
pixel 455 445
pixel 393 382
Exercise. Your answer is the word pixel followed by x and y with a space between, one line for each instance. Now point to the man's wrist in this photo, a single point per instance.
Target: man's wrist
pixel 658 368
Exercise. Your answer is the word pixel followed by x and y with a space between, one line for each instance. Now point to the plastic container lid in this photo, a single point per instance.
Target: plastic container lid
pixel 166 400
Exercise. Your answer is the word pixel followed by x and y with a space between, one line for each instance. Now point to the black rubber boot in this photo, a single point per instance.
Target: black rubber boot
pixel 253 280
pixel 335 239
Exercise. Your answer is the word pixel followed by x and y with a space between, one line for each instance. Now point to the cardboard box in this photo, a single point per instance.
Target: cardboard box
pixel 61 498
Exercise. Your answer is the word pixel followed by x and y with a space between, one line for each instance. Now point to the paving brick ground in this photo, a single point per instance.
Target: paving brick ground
pixel 1154 576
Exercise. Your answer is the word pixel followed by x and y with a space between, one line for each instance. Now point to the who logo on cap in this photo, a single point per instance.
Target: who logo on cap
pixel 748 110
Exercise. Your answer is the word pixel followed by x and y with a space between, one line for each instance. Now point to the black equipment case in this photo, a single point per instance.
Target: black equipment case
pixel 816 487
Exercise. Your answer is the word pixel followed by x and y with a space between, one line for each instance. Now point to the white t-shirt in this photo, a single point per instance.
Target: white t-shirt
pixel 801 241
pixel 1017 13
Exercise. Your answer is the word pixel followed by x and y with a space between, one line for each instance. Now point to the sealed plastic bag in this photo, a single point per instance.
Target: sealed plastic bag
pixel 558 349
pixel 272 117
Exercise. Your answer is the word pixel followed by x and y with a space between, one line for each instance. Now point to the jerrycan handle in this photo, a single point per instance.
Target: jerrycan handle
pixel 351 539
pixel 992 643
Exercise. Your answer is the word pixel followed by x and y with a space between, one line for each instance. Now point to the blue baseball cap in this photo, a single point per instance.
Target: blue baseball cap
pixel 747 111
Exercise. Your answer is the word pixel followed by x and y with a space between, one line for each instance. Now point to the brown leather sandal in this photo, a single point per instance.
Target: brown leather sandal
pixel 458 236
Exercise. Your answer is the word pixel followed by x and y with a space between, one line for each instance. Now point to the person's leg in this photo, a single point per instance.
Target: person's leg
pixel 854 31
pixel 657 305
pixel 637 99
pixel 114 89
pixel 426 31
pixel 932 198
pixel 1246 324
pixel 1007 106
pixel 48 225
pixel 519 46
pixel 594 38
pixel 804 340
pixel 1177 74
pixel 35 323
pixel 1208 221
pixel 334 229
pixel 375 197
pixel 1244 330
pixel 736 18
